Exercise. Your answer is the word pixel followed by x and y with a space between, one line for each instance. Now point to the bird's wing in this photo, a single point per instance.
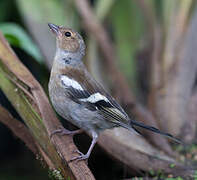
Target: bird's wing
pixel 88 92
pixel 83 89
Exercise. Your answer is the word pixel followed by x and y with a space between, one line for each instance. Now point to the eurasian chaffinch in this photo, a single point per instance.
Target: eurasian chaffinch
pixel 78 97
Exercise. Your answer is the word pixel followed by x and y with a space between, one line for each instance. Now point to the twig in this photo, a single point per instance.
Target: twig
pixel 19 129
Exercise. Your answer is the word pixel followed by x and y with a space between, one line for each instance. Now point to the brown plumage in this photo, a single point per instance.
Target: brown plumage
pixel 78 97
pixel 70 43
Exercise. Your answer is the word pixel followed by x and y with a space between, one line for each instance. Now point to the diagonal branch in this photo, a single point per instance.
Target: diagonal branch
pixel 22 132
pixel 18 128
pixel 38 115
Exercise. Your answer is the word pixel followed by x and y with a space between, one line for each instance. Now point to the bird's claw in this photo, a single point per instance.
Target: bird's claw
pixel 64 131
pixel 80 157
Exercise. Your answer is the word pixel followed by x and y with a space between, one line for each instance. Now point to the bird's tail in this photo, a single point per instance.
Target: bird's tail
pixel 155 130
pixel 134 123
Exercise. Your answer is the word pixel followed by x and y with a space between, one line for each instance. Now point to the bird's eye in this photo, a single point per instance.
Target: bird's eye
pixel 67 34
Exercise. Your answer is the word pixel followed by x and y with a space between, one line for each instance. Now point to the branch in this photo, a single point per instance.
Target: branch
pixel 133 154
pixel 22 132
pixel 149 16
pixel 18 128
pixel 189 131
pixel 177 68
pixel 38 115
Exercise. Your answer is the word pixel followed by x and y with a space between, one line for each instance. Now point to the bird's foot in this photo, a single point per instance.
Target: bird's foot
pixel 64 131
pixel 80 157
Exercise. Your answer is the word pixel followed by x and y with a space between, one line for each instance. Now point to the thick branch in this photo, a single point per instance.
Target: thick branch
pixel 189 129
pixel 140 155
pixel 177 70
pixel 38 114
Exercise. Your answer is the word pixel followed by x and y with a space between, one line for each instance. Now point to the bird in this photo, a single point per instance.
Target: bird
pixel 79 98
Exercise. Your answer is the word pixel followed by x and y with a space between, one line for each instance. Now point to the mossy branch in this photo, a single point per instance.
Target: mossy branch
pixel 31 103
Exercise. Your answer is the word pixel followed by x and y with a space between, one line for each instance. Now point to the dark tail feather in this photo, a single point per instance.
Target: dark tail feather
pixel 155 130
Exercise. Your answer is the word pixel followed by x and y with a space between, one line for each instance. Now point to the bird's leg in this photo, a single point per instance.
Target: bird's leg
pixel 64 131
pixel 87 155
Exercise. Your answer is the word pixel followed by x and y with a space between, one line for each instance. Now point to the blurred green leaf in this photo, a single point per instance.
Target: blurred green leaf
pixel 19 38
pixel 168 11
pixel 127 24
pixel 158 8
pixel 55 11
pixel 103 7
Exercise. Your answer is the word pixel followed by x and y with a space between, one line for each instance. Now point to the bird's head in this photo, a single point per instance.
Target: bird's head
pixel 67 39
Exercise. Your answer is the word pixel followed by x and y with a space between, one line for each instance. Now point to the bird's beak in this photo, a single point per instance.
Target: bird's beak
pixel 54 28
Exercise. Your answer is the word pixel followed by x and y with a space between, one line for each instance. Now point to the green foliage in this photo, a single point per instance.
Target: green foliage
pixel 127 26
pixel 177 178
pixel 137 178
pixel 161 175
pixel 55 11
pixel 56 174
pixel 103 7
pixel 19 38
pixel 195 175
pixel 172 165
pixel 152 172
